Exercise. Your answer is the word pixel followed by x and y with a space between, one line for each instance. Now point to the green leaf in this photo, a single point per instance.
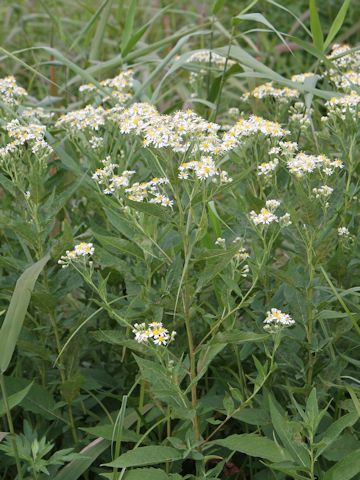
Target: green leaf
pixel 217 6
pixel 346 468
pixel 100 31
pixel 107 431
pixel 312 410
pixel 124 246
pixel 335 429
pixel 14 319
pixel 150 209
pixel 258 17
pixel 297 451
pixel 76 468
pixel 129 25
pixel 238 337
pixel 162 385
pixel 15 399
pixel 3 435
pixel 153 455
pixel 315 25
pixel 254 446
pixel 145 474
pixel 337 23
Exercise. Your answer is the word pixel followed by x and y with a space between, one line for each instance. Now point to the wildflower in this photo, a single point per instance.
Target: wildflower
pixel 245 271
pixel 266 169
pixel 155 332
pixel 268 90
pixel 272 204
pixel 209 57
pixel 323 191
pixel 265 217
pixel 10 92
pixel 83 250
pixel 285 220
pixel 89 118
pixel 220 242
pixel 343 232
pixel 276 320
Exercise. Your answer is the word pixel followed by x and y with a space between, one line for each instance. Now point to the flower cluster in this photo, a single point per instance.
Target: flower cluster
pixel 155 332
pixel 249 127
pixel 303 163
pixel 301 77
pixel 268 90
pixel 267 215
pixel 30 135
pixel 152 191
pixel 276 320
pixel 10 92
pixel 340 106
pixel 203 169
pixel 343 232
pixel 209 57
pixel 119 87
pixel 268 168
pixel 88 118
pixel 323 192
pixel 82 250
pixel 108 180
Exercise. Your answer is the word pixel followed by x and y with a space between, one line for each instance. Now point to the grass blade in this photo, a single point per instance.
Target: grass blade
pixel 10 329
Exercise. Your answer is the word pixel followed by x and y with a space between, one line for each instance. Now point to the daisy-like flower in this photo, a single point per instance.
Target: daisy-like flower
pixel 83 250
pixel 276 320
pixel 343 232
pixel 323 192
pixel 268 168
pixel 155 332
pixel 265 217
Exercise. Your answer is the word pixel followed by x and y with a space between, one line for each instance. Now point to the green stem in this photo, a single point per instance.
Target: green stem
pixel 11 427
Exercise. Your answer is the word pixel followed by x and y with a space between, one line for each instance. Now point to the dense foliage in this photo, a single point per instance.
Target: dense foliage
pixel 179 241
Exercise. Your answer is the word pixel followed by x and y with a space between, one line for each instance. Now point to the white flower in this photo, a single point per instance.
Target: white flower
pixel 276 319
pixel 155 331
pixel 265 217
pixel 323 192
pixel 220 242
pixel 343 232
pixel 272 204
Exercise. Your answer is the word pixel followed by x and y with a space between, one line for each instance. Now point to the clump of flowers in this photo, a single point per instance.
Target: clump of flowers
pixel 110 182
pixel 119 87
pixel 266 215
pixel 209 57
pixel 268 90
pixel 323 192
pixel 154 332
pixel 347 104
pixel 81 251
pixel 343 232
pixel 203 169
pixel 254 125
pixel 88 118
pixel 28 137
pixel 152 191
pixel 268 168
pixel 10 92
pixel 301 77
pixel 276 320
pixel 304 163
